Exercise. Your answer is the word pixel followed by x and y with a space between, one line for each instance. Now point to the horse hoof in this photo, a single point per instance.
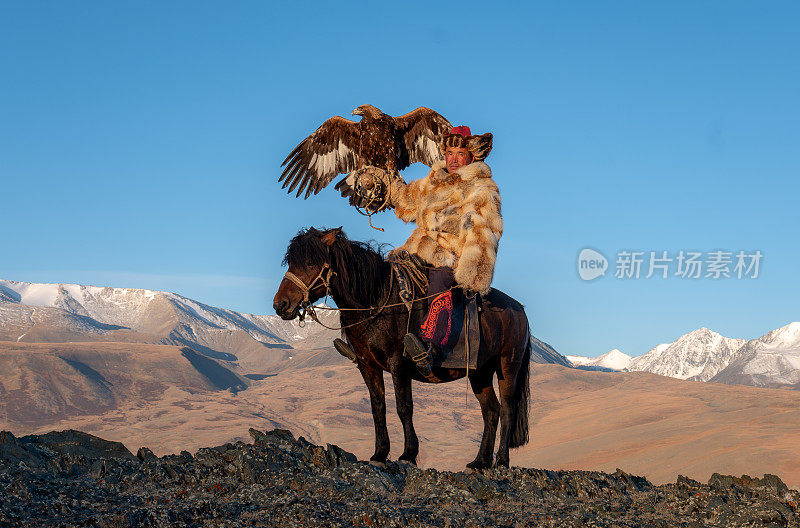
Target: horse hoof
pixel 378 464
pixel 476 465
pixel 406 462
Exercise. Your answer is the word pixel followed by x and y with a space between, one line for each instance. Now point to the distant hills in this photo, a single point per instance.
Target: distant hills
pixel 59 313
pixel 158 369
pixel 44 383
pixel 68 350
pixel 255 346
pixel 249 344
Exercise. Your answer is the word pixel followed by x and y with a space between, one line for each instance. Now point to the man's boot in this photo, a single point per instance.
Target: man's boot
pixel 345 349
pixel 422 355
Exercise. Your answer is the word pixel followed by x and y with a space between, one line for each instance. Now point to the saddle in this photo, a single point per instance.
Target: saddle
pixel 463 348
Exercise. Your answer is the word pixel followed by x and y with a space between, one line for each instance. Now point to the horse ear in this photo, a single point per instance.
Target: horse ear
pixel 330 236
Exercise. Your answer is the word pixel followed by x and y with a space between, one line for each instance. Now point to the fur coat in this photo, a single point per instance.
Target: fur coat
pixel 458 221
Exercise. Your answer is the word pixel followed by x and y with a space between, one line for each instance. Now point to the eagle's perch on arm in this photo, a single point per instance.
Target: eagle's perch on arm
pixel 341 146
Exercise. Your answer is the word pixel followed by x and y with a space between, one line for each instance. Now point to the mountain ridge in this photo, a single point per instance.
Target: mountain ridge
pixel 59 312
pixel 772 360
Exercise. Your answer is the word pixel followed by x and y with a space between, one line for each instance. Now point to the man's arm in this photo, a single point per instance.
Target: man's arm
pixel 405 198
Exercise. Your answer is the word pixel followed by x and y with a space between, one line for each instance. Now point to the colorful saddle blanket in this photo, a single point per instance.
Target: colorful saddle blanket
pixel 462 348
pixel 459 338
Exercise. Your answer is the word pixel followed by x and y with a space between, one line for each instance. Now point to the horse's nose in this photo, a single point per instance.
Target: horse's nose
pixel 280 306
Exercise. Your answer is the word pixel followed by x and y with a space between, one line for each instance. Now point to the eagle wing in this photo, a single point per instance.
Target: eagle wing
pixel 419 134
pixel 332 149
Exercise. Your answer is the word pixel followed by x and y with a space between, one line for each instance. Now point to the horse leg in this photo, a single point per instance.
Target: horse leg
pixel 481 382
pixel 377 395
pixel 513 378
pixel 506 382
pixel 405 407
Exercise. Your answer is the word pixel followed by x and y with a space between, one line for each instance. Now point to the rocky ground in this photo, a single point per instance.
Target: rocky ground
pixel 71 478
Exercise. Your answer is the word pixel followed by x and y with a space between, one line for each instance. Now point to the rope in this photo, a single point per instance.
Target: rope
pixel 384 306
pixel 412 270
pixel 312 309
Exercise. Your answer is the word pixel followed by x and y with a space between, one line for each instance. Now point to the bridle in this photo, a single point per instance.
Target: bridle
pixel 325 274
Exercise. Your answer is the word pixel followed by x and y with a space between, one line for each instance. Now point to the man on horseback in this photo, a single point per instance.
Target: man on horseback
pixel 457 211
pixel 459 224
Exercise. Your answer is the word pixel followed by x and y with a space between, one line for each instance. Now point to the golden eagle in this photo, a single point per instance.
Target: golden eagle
pixel 340 146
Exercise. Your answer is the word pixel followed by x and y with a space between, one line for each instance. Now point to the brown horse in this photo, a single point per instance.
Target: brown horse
pixel 358 278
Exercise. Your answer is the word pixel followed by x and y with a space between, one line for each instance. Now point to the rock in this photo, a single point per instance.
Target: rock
pixel 13 452
pixel 632 482
pixel 77 443
pixel 279 481
pixel 770 483
pixel 773 483
pixel 687 483
pixel 145 454
pixel 720 482
pixel 337 456
pixel 276 437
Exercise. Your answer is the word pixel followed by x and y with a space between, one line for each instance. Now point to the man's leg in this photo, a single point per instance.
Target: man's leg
pixel 435 330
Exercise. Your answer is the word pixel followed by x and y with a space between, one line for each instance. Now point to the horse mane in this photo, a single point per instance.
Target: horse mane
pixel 360 266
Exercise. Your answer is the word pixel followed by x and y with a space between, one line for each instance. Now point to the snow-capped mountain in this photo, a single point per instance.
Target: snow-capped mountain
pixel 698 355
pixel 31 312
pixel 133 308
pixel 613 360
pixel 772 360
pixel 247 343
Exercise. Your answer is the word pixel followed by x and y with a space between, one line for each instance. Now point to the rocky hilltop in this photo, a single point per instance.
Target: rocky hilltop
pixel 71 478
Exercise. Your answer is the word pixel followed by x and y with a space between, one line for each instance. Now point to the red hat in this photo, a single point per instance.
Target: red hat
pixel 462 130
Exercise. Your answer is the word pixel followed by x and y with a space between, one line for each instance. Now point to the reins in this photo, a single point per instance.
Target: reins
pixel 309 309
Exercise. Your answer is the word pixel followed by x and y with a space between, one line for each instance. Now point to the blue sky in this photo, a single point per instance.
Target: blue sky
pixel 140 145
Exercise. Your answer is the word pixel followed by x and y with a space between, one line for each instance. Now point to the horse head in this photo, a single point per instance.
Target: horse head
pixel 308 278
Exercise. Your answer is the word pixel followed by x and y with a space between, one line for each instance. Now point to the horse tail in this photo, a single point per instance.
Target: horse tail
pixel 519 429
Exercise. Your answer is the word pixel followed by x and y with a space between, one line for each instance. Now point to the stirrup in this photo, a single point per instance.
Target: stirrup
pixel 416 351
pixel 345 349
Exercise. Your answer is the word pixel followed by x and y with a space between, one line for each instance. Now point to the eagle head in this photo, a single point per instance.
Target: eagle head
pixel 367 111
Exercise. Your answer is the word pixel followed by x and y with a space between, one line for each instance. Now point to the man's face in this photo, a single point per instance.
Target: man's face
pixel 456 157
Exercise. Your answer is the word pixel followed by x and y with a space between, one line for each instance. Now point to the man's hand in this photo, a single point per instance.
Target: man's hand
pixel 369 188
pixel 366 177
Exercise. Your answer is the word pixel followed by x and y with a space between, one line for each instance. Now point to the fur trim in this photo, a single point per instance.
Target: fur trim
pixel 458 219
pixel 479 145
pixel 476 169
